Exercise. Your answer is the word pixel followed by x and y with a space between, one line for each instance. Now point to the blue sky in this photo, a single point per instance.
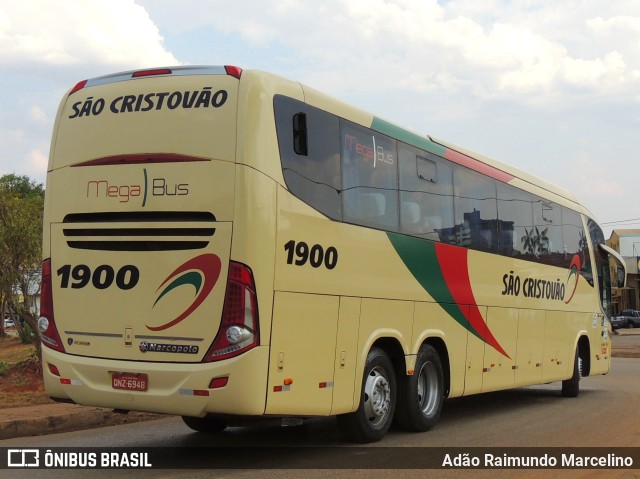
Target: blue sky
pixel 552 87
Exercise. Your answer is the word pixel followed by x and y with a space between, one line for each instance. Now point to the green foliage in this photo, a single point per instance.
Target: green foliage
pixel 4 367
pixel 21 186
pixel 26 335
pixel 535 243
pixel 21 212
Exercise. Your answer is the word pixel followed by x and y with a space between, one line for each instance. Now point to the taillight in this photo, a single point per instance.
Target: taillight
pixel 46 324
pixel 239 326
pixel 154 72
pixel 235 72
pixel 79 86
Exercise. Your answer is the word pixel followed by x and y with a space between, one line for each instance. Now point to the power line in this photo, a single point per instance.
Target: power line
pixel 620 221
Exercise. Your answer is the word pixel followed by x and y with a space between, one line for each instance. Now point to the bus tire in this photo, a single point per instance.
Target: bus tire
pixel 371 421
pixel 571 386
pixel 208 424
pixel 421 395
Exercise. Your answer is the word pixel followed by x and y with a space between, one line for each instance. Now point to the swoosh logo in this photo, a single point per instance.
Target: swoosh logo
pixel 202 273
pixel 443 271
pixel 574 267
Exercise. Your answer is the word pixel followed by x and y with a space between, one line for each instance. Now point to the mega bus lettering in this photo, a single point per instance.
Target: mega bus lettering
pixel 124 193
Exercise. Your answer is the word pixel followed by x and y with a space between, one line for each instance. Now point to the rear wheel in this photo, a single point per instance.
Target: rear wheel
pixel 207 424
pixel 420 396
pixel 371 421
pixel 571 386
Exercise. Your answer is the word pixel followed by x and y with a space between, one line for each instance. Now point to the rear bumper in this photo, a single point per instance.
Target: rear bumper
pixel 171 387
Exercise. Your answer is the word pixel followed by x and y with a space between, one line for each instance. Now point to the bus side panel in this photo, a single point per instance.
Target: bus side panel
pixel 600 343
pixel 364 263
pixel 303 343
pixel 382 318
pixel 346 356
pixel 531 324
pixel 498 371
pixel 254 237
pixel 475 356
pixel 430 320
pixel 559 343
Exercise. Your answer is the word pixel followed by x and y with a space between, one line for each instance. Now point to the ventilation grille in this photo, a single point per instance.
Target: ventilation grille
pixel 168 232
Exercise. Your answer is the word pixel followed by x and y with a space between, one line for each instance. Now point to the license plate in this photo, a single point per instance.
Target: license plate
pixel 130 381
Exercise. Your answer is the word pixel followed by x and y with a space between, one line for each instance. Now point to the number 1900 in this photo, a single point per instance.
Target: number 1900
pixel 316 255
pixel 102 277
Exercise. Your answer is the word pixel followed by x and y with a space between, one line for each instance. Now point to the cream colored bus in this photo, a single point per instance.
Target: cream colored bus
pixel 223 244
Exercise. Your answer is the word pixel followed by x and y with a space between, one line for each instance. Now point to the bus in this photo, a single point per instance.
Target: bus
pixel 225 245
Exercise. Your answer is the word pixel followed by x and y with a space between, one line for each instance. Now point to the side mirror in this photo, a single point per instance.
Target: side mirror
pixel 620 278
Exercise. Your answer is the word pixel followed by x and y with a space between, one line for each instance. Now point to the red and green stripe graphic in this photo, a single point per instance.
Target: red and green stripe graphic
pixel 201 272
pixel 443 271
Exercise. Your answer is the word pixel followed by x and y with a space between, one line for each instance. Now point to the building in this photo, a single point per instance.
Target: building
pixel 627 243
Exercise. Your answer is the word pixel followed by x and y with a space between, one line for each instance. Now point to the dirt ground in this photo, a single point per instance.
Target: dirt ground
pixel 20 374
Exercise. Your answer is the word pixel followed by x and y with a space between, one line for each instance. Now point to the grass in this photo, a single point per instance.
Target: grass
pixel 20 374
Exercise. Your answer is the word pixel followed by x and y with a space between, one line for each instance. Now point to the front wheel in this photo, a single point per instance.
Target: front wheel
pixel 371 421
pixel 571 386
pixel 208 424
pixel 420 396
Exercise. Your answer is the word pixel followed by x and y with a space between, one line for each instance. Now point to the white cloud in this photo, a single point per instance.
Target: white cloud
pixel 37 115
pixel 73 32
pixel 531 82
pixel 37 161
pixel 598 186
pixel 532 52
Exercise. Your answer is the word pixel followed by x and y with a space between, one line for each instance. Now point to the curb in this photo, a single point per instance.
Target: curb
pixel 33 421
pixel 35 426
pixel 626 353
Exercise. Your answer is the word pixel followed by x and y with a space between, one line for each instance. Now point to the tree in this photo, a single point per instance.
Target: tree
pixel 21 210
pixel 535 243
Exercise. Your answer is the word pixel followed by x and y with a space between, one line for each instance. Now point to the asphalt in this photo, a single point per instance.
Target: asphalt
pixel 61 417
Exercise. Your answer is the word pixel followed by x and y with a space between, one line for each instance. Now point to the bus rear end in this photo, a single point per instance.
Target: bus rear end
pixel 142 305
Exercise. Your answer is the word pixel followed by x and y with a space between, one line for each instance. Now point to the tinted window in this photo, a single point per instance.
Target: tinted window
pixel 476 213
pixel 354 174
pixel 546 234
pixel 369 178
pixel 314 175
pixel 575 242
pixel 602 266
pixel 426 193
pixel 515 216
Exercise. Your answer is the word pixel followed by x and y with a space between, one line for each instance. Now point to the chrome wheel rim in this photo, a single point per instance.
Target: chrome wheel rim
pixel 377 397
pixel 428 389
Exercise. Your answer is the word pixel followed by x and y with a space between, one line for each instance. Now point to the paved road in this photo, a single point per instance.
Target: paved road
pixel 603 415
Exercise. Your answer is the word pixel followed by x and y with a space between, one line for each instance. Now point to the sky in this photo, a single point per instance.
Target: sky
pixel 549 86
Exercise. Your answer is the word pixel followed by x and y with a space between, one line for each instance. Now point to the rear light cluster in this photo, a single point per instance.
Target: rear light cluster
pixel 230 70
pixel 46 323
pixel 239 327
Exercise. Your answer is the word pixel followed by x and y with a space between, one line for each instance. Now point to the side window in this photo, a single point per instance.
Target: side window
pixel 476 213
pixel 515 217
pixel 575 242
pixel 547 232
pixel 426 193
pixel 308 139
pixel 369 178
pixel 601 270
